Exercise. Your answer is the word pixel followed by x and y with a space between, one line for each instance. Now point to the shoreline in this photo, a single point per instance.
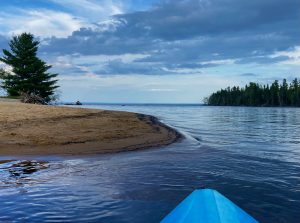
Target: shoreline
pixel 40 130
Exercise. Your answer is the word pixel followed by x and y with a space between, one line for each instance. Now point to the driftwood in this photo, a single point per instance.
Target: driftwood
pixel 32 98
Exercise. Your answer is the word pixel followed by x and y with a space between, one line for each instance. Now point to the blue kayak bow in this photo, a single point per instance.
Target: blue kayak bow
pixel 207 206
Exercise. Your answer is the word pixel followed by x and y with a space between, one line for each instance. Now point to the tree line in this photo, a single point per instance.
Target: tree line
pixel 254 94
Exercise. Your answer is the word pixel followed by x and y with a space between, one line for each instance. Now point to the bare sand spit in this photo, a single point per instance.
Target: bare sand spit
pixel 27 129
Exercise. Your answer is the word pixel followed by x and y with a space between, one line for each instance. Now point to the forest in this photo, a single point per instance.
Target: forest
pixel 254 94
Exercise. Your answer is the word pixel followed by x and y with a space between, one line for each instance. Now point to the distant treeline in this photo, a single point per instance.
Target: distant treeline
pixel 254 94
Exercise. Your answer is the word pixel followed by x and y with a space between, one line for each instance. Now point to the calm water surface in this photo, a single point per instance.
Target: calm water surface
pixel 251 155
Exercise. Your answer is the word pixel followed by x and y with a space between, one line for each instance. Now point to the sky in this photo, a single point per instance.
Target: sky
pixel 158 51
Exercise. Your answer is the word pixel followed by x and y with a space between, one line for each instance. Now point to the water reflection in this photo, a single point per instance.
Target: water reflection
pixel 16 172
pixel 25 167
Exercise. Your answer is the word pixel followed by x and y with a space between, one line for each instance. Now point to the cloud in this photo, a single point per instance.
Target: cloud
pixel 77 64
pixel 218 62
pixel 191 18
pixel 189 34
pixel 92 9
pixel 162 89
pixel 171 37
pixel 42 23
pixel 248 75
pixel 262 60
pixel 292 56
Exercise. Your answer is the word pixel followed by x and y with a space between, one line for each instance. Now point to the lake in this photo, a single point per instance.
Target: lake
pixel 250 155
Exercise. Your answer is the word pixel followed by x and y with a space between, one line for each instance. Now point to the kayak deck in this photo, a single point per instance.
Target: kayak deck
pixel 207 206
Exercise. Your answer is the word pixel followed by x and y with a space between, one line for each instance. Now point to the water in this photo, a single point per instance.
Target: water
pixel 251 155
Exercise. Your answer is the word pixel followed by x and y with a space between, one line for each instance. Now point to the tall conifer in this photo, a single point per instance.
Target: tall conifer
pixel 29 74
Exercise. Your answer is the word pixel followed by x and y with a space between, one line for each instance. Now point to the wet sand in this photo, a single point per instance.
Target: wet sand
pixel 27 129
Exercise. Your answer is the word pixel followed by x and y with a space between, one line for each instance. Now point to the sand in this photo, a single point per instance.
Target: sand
pixel 27 129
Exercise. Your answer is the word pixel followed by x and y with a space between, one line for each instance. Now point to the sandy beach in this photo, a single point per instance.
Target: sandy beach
pixel 27 129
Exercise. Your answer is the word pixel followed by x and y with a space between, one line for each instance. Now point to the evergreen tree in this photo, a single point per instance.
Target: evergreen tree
pixel 295 93
pixel 275 93
pixel 29 73
pixel 284 93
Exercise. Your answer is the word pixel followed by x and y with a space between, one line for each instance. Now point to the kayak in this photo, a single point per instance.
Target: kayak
pixel 207 206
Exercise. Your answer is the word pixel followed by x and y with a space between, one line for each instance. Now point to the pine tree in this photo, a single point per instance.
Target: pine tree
pixel 29 73
pixel 284 93
pixel 295 92
pixel 274 89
